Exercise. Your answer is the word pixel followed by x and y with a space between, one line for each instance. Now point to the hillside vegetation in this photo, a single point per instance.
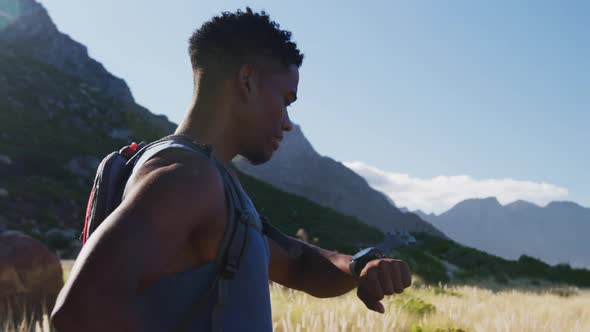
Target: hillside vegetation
pixel 439 260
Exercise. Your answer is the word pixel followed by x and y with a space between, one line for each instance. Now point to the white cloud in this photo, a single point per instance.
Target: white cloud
pixel 440 193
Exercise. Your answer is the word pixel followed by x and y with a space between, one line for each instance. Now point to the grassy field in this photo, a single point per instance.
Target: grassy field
pixel 428 308
pixel 483 307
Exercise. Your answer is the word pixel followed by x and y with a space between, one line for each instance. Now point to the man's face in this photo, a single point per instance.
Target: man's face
pixel 266 116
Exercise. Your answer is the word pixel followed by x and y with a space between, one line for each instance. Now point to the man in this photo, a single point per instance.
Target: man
pixel 153 255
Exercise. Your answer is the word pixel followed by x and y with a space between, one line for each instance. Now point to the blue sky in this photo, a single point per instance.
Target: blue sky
pixel 431 101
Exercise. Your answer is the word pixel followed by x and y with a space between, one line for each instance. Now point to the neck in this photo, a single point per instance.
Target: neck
pixel 209 123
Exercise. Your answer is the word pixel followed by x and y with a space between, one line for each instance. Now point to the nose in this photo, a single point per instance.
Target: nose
pixel 287 124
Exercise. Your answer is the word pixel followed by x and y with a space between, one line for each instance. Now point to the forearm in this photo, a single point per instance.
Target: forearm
pixel 325 273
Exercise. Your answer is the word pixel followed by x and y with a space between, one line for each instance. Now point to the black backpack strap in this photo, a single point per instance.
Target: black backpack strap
pixel 234 240
pixel 229 254
pixel 227 261
pixel 206 149
pixel 232 247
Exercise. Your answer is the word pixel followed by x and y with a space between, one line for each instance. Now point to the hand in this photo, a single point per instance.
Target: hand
pixel 382 277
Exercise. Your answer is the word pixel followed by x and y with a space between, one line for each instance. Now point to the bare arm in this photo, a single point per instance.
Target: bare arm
pixel 135 243
pixel 323 273
pixel 317 271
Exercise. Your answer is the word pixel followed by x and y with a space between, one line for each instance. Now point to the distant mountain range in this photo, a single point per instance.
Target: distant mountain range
pixel 556 233
pixel 297 168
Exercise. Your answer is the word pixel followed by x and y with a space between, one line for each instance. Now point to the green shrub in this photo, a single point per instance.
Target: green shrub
pixel 416 306
pixel 438 290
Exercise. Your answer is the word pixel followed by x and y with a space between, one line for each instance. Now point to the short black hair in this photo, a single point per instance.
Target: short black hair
pixel 226 42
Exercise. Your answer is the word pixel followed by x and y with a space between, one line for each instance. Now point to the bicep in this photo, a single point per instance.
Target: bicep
pixel 141 236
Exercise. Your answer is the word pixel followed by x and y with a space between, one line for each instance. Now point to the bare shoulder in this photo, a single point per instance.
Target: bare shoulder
pixel 182 171
pixel 180 197
pixel 179 185
pixel 176 185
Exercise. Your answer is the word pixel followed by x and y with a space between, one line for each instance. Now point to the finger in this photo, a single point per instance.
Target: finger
pixel 385 277
pixel 397 278
pixel 371 304
pixel 372 284
pixel 369 289
pixel 379 307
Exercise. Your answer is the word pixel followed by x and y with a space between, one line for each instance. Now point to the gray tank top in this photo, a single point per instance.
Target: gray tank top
pixel 248 305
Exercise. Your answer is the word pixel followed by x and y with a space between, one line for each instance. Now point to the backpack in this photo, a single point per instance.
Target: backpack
pixel 107 193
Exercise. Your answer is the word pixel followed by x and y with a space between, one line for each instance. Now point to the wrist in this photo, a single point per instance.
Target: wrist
pixel 360 260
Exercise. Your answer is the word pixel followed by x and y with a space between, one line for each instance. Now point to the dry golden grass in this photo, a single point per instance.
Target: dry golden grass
pixel 467 308
pixel 487 307
pixel 25 324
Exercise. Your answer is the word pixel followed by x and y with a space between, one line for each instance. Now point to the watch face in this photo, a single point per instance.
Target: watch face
pixel 361 259
pixel 362 252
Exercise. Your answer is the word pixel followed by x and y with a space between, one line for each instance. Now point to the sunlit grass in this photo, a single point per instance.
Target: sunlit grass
pixel 25 323
pixel 466 308
pixel 485 307
pixel 66 267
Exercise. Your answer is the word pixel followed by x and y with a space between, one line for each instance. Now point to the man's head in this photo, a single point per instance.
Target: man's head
pixel 247 58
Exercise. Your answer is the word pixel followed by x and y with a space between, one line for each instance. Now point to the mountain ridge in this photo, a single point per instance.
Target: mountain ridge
pixel 34 25
pixel 297 168
pixel 553 233
pixel 514 204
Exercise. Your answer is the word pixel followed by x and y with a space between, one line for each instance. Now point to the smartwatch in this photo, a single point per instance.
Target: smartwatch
pixel 358 261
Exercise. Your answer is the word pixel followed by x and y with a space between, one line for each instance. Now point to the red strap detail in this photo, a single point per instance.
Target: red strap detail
pixel 87 217
pixel 129 150
pixel 132 147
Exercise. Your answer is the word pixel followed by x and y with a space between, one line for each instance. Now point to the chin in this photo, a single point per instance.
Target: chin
pixel 257 158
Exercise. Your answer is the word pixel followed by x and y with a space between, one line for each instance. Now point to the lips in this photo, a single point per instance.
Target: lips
pixel 276 140
pixel 275 143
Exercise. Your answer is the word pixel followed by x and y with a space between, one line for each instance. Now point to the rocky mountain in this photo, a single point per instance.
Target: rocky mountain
pixel 555 233
pixel 297 168
pixel 60 112
pixel 29 31
pixel 33 27
pixel 421 214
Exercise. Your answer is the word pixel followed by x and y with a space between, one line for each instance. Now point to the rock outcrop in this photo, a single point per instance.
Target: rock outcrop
pixel 30 274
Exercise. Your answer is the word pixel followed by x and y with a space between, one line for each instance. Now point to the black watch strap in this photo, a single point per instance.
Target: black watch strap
pixel 360 260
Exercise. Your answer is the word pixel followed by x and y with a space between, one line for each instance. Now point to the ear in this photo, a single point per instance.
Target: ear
pixel 247 81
